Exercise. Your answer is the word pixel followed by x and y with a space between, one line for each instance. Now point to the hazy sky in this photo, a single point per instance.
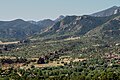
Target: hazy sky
pixel 42 9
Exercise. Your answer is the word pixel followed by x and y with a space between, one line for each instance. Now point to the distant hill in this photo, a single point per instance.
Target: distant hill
pixel 74 25
pixel 17 29
pixel 43 23
pixel 107 12
pixel 20 29
pixel 85 25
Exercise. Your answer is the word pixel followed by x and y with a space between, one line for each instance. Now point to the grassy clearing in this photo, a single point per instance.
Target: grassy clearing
pixel 59 62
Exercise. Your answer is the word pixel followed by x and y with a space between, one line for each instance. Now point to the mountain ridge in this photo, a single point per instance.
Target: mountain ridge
pixel 63 26
pixel 107 12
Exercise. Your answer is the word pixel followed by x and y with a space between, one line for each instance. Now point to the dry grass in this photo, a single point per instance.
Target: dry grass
pixel 60 62
pixel 7 57
pixel 67 39
pixel 53 64
pixel 77 59
pixel 72 38
pixel 6 43
pixel 14 65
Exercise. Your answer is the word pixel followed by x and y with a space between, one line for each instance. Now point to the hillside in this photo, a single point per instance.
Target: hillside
pixel 74 26
pixel 108 30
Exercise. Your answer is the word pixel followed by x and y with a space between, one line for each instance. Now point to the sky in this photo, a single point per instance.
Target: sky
pixel 44 9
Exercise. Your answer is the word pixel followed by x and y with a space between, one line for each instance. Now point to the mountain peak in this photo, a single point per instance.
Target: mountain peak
pixel 45 20
pixel 114 7
pixel 107 12
pixel 19 20
pixel 59 18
